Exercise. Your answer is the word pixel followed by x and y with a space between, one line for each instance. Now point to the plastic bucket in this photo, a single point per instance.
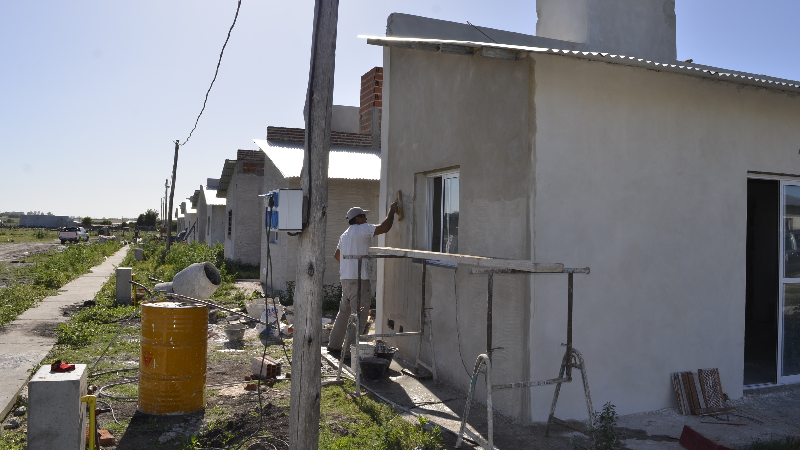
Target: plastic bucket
pixel 373 368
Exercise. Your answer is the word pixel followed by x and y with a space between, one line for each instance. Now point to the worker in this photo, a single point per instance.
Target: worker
pixel 354 241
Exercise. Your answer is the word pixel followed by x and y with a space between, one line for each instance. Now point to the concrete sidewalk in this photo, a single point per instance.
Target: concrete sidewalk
pixel 28 339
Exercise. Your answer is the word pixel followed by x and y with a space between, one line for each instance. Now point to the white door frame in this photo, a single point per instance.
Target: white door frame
pixel 783 281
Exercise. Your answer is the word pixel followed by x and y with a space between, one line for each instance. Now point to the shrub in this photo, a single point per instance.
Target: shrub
pixel 603 434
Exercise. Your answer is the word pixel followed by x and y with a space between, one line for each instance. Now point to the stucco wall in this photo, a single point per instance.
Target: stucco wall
pixel 202 213
pixel 642 176
pixel 272 179
pixel 342 195
pixel 244 243
pixel 638 174
pixel 449 111
pixel 218 218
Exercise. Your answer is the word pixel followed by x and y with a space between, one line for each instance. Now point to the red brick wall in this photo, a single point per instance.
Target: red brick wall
pixel 371 97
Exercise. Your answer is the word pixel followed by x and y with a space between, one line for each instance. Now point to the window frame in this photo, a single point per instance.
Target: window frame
pixel 429 215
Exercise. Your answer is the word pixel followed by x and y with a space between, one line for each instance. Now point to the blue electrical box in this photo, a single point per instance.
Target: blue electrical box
pixel 286 213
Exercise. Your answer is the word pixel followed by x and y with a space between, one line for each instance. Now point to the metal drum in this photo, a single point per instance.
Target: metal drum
pixel 172 363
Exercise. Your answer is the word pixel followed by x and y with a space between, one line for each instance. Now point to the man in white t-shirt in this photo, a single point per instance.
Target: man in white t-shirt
pixel 355 241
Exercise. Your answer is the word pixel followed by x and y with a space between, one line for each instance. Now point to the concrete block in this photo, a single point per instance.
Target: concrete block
pixel 124 277
pixel 138 253
pixel 56 416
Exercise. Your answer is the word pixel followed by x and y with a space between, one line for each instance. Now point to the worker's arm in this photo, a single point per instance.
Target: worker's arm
pixel 387 223
pixel 336 256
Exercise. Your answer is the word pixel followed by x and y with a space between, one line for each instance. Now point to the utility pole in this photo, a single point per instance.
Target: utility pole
pixel 171 194
pixel 164 210
pixel 306 389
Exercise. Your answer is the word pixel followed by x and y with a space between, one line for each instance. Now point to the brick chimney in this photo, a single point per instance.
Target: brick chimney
pixel 371 103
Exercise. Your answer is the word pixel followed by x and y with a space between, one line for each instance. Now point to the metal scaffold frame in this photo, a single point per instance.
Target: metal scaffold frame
pixel 488 266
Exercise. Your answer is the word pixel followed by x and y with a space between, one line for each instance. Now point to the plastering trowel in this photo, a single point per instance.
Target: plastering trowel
pixel 399 205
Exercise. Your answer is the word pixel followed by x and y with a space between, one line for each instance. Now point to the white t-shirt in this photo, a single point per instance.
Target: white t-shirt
pixel 354 241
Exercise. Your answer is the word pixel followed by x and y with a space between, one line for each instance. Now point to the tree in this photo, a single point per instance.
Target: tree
pixel 105 222
pixel 87 221
pixel 148 218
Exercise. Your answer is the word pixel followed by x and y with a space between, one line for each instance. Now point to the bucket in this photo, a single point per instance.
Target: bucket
pixel 364 351
pixel 235 332
pixel 172 362
pixel 373 368
pixel 387 355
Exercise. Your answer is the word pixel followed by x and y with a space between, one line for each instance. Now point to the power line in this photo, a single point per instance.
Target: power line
pixel 473 26
pixel 238 5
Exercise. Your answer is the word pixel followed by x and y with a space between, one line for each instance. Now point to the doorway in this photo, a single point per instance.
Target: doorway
pixel 762 281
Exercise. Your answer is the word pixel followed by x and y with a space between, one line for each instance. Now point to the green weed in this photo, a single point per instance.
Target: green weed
pixel 603 434
pixel 784 443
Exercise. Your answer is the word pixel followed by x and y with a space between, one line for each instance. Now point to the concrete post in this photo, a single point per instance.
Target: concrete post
pixel 124 276
pixel 138 253
pixel 56 416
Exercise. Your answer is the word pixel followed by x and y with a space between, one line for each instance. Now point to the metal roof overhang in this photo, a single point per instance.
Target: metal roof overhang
pixel 514 52
pixel 194 198
pixel 225 178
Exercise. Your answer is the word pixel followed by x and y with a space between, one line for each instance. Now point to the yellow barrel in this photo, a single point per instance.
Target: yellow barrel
pixel 172 362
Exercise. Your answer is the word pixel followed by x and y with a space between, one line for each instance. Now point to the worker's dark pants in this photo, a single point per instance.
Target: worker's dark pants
pixel 349 305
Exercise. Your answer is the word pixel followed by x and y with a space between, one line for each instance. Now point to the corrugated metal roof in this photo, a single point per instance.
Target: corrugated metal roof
pixel 354 163
pixel 211 196
pixel 225 178
pixel 504 51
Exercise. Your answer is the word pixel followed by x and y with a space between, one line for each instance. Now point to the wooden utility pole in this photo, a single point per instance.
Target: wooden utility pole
pixel 172 194
pixel 306 390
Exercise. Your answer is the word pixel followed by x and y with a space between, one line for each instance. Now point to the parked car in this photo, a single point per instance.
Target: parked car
pixel 74 234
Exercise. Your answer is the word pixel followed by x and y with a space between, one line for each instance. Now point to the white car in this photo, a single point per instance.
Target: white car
pixel 74 234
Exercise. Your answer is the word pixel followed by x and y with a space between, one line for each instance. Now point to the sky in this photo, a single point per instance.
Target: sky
pixel 94 93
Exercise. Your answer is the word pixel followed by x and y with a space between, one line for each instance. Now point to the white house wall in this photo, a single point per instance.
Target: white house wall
pixel 218 218
pixel 638 174
pixel 244 243
pixel 642 176
pixel 450 111
pixel 273 179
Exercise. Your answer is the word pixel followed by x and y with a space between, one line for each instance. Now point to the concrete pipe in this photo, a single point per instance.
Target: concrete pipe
pixel 163 287
pixel 199 280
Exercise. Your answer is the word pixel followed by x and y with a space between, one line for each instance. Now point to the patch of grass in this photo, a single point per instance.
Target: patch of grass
pixel 26 235
pixel 784 443
pixel 48 272
pixel 13 439
pixel 368 424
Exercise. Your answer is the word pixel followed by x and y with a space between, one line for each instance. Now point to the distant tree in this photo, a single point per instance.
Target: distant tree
pixel 123 224
pixel 105 222
pixel 148 218
pixel 49 213
pixel 86 221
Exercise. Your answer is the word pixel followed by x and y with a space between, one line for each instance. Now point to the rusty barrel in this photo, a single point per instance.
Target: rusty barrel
pixel 172 362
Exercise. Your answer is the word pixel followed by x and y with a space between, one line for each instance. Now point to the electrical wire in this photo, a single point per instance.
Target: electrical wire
pixel 473 26
pixel 238 6
pixel 112 411
pixel 458 335
pixel 100 392
pixel 113 339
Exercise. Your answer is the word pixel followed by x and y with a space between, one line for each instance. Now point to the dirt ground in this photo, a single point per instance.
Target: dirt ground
pixel 15 251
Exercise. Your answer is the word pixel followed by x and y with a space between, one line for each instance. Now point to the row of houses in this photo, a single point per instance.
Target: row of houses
pixel 588 144
pixel 228 209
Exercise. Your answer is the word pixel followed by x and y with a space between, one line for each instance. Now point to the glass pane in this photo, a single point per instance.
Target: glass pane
pixel 791 236
pixel 791 330
pixel 436 216
pixel 450 216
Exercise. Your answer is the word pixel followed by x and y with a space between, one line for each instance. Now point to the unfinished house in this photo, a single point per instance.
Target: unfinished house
pixel 187 220
pixel 677 184
pixel 353 174
pixel 240 185
pixel 210 212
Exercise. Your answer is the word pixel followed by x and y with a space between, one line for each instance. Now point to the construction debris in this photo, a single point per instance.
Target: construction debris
pixel 692 440
pixel 268 368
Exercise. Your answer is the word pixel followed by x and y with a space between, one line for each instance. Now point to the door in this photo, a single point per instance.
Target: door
pixel 789 308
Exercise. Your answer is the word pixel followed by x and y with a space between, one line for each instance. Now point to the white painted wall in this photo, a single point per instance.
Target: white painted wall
pixel 642 28
pixel 638 174
pixel 345 119
pixel 244 243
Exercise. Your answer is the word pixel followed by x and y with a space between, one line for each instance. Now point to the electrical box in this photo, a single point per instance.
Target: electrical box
pixel 287 210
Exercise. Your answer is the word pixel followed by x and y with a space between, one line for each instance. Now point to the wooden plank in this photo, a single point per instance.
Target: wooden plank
pixel 711 387
pixel 482 261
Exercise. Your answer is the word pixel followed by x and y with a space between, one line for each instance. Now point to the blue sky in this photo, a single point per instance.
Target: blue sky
pixel 94 93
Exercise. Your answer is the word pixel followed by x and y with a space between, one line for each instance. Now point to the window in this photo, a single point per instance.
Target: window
pixel 230 222
pixel 443 212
